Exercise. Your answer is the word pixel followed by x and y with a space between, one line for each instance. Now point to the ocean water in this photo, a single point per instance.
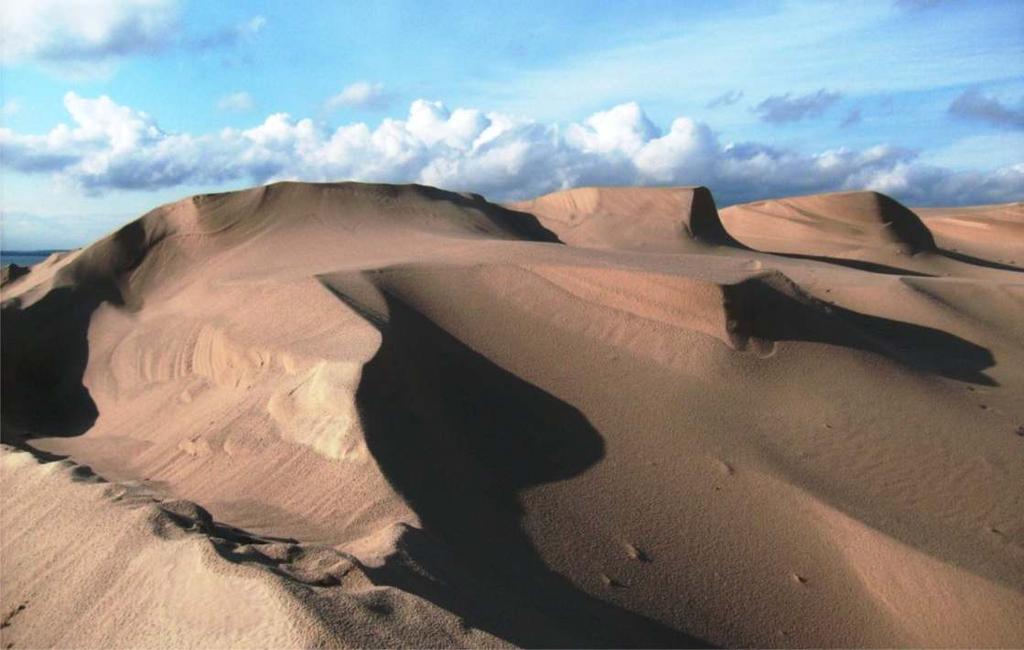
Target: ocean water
pixel 23 258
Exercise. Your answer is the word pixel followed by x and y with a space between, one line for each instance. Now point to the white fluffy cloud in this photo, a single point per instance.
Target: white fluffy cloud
pixel 10 107
pixel 361 94
pixel 110 146
pixel 90 30
pixel 623 129
pixel 240 101
pixel 87 39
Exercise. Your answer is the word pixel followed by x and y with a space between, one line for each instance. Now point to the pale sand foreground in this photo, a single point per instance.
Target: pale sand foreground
pixel 365 415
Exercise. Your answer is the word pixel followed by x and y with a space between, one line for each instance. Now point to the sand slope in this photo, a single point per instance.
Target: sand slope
pixel 987 232
pixel 792 425
pixel 96 564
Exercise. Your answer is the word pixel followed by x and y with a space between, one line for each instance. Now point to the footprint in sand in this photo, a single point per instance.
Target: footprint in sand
pixel 634 552
pixel 195 447
pixel 11 614
pixel 763 348
pixel 611 582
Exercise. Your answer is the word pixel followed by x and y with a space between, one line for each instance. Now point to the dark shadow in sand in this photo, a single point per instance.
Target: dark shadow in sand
pixel 523 225
pixel 45 350
pixel 460 438
pixel 859 265
pixel 763 312
pixel 905 224
pixel 978 261
pixel 44 347
pixel 11 272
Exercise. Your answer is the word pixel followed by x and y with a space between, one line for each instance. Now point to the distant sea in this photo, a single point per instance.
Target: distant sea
pixel 24 258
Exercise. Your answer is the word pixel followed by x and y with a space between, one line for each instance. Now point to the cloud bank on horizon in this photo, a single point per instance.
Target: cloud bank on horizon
pixel 112 106
pixel 111 147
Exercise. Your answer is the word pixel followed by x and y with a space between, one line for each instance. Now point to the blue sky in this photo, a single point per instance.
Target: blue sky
pixel 112 107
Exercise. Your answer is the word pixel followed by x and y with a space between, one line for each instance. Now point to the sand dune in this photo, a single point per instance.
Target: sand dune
pixel 988 232
pixel 608 417
pixel 664 219
pixel 845 224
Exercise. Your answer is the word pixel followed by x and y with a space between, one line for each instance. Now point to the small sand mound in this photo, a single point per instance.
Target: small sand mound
pixel 664 219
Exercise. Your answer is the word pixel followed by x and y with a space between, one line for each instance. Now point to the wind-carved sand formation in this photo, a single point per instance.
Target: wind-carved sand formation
pixel 369 415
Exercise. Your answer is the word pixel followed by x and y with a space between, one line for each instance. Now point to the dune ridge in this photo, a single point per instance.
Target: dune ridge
pixel 607 417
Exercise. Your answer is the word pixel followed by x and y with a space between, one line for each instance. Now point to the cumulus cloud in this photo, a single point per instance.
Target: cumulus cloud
pixel 361 94
pixel 726 99
pixel 90 30
pixel 240 101
pixel 623 129
pixel 973 105
pixel 109 146
pixel 787 108
pixel 87 37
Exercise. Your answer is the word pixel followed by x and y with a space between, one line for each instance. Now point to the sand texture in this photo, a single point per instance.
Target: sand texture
pixel 356 415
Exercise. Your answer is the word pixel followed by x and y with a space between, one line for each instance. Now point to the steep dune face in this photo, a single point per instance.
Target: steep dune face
pixel 646 219
pixel 413 417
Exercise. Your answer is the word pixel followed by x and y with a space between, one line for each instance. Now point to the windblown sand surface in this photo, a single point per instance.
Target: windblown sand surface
pixel 364 415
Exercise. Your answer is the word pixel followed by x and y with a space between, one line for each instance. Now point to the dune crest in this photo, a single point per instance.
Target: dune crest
pixel 373 415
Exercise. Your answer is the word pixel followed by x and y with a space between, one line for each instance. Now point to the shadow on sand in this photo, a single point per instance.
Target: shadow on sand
pixel 45 350
pixel 459 438
pixel 45 345
pixel 762 311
